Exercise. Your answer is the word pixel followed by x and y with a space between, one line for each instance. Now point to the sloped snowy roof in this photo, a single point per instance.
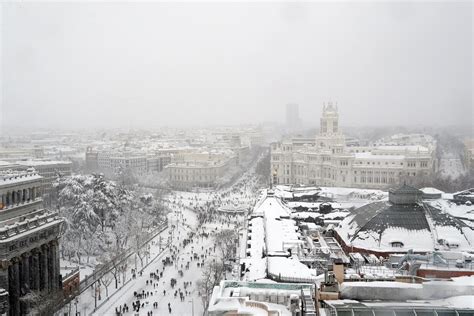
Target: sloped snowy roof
pixel 271 207
pixel 290 268
pixel 416 226
pixel 461 211
pixel 429 190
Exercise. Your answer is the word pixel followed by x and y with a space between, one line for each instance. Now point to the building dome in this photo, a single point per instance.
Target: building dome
pixel 403 222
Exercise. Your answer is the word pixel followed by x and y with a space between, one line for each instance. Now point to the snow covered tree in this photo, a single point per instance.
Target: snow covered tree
pixel 102 216
pixel 103 199
pixel 226 241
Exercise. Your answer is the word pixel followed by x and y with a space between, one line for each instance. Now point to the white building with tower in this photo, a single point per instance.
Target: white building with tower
pixel 327 161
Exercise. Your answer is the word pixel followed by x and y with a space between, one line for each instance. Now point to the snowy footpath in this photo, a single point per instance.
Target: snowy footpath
pixel 150 287
pixel 158 296
pixel 85 303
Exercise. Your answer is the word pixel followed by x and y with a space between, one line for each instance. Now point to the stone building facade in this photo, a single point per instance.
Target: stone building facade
pixel 115 161
pixel 49 171
pixel 29 250
pixel 327 161
pixel 199 169
pixel 140 163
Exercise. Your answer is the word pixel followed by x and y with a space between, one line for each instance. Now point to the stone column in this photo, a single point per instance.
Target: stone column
pixel 51 274
pixel 44 277
pixel 35 271
pixel 55 265
pixel 25 272
pixel 58 266
pixel 14 287
pixel 25 281
pixel 4 264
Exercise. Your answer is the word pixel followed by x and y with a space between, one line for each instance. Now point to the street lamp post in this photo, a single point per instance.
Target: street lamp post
pixel 95 295
pixel 192 306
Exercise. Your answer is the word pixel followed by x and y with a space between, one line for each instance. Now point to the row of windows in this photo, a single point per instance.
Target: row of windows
pixel 187 178
pixel 192 171
pixel 423 164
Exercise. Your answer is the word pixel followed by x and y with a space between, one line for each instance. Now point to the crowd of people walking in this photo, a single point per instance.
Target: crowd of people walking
pixel 191 245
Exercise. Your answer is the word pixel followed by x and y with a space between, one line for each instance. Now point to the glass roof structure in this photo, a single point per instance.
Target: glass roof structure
pixel 397 311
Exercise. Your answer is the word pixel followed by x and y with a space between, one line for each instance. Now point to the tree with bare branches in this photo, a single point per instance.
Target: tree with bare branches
pixel 211 276
pixel 106 280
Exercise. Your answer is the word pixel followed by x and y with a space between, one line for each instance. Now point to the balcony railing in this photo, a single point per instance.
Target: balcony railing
pixel 28 224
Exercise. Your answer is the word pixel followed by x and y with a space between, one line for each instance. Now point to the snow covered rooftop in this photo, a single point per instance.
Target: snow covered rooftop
pixel 34 163
pixel 18 177
pixel 461 211
pixel 291 270
pixel 352 193
pixel 429 190
pixel 281 235
pixel 271 206
pixel 403 148
pixel 369 155
pixel 290 192
pixel 383 226
pixel 400 291
pixel 254 298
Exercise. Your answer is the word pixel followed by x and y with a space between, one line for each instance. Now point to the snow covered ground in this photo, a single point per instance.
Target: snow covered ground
pixel 183 216
pixel 161 291
pixel 125 295
pixel 86 301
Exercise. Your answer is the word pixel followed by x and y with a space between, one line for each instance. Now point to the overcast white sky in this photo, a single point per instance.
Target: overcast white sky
pixel 150 64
